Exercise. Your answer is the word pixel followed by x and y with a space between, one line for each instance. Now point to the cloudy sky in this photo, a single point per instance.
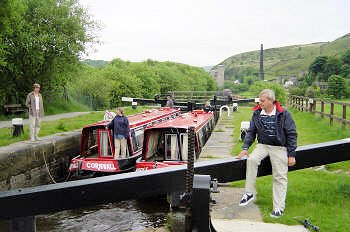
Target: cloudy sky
pixel 205 32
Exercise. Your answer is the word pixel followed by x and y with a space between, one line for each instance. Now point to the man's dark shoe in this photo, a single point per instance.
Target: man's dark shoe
pixel 276 213
pixel 246 199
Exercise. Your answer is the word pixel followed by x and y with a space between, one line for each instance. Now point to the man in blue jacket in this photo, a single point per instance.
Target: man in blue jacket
pixel 277 138
pixel 121 129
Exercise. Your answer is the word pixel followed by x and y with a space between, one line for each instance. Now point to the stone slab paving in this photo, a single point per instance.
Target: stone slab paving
pixel 224 225
pixel 220 142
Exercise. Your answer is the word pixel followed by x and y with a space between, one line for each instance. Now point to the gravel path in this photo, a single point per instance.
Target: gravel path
pixel 5 124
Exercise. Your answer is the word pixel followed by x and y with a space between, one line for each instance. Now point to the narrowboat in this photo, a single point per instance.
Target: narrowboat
pixel 166 143
pixel 96 155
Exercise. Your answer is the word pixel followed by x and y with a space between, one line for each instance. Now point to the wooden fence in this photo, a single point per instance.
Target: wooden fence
pixel 326 108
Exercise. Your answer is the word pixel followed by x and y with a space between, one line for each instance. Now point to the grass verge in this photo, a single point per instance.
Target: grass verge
pixel 62 125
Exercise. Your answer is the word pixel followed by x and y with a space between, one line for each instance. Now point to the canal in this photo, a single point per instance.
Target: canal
pixel 134 215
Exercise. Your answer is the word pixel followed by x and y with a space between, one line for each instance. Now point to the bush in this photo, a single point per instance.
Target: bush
pixel 296 90
pixel 313 91
pixel 336 86
pixel 280 92
pixel 236 88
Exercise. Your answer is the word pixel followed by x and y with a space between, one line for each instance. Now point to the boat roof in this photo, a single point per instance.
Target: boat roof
pixel 141 118
pixel 196 118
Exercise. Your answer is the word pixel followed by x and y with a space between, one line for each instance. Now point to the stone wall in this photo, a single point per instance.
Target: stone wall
pixel 22 164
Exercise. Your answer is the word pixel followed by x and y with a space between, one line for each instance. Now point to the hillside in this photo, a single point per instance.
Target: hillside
pixel 290 60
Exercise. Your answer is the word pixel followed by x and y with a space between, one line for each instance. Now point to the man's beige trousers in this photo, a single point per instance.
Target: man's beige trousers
pixel 279 163
pixel 120 148
pixel 34 126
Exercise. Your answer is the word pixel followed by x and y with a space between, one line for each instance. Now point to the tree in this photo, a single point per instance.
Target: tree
pixel 238 88
pixel 318 66
pixel 44 39
pixel 345 71
pixel 308 79
pixel 346 57
pixel 280 92
pixel 313 91
pixel 336 86
pixel 332 66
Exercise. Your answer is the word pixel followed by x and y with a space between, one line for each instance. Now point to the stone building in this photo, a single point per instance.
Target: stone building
pixel 218 73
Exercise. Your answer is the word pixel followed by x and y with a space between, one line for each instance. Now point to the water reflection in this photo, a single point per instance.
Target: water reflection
pixel 121 216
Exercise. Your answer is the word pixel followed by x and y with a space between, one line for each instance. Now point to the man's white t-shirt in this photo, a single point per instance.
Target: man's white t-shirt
pixel 37 105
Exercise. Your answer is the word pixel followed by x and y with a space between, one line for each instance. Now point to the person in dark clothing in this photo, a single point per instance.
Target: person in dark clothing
pixel 121 130
pixel 277 138
pixel 170 101
pixel 207 107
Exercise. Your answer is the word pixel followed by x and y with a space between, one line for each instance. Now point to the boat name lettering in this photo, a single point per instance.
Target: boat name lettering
pixel 100 166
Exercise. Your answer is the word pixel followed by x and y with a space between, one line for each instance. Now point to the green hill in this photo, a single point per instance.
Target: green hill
pixel 290 60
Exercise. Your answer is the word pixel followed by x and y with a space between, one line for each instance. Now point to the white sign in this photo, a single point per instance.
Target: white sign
pixel 127 99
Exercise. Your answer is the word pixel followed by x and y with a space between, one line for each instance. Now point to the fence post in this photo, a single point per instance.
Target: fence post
pixel 314 105
pixel 344 115
pixel 322 109
pixel 302 104
pixel 311 104
pixel 307 105
pixel 331 113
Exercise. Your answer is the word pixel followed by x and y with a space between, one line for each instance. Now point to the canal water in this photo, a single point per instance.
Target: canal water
pixel 134 215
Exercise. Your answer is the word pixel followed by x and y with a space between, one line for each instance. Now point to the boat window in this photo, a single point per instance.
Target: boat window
pixel 201 137
pixel 171 147
pixel 133 140
pixel 139 139
pixel 155 146
pixel 184 140
pixel 104 146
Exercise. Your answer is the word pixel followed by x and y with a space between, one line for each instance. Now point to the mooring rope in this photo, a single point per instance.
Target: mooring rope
pixel 50 175
pixel 48 170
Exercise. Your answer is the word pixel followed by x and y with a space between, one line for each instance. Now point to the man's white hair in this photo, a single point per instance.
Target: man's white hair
pixel 268 93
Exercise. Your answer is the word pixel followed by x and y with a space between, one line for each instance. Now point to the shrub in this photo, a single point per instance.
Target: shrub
pixel 280 92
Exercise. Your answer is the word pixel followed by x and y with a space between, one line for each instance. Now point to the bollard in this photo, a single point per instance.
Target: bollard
pixel 17 124
pixel 189 106
pixel 200 213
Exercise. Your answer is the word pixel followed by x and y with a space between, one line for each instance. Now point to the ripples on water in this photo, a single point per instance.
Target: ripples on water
pixel 121 216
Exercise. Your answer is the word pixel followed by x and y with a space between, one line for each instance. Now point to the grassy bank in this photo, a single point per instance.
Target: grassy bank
pixel 321 196
pixel 62 125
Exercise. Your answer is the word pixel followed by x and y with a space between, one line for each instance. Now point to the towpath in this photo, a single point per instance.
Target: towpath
pixel 226 215
pixel 5 124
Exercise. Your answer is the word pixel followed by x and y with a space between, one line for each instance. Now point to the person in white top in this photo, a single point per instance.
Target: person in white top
pixel 35 105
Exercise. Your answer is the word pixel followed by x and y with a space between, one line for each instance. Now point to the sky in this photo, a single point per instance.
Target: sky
pixel 206 32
